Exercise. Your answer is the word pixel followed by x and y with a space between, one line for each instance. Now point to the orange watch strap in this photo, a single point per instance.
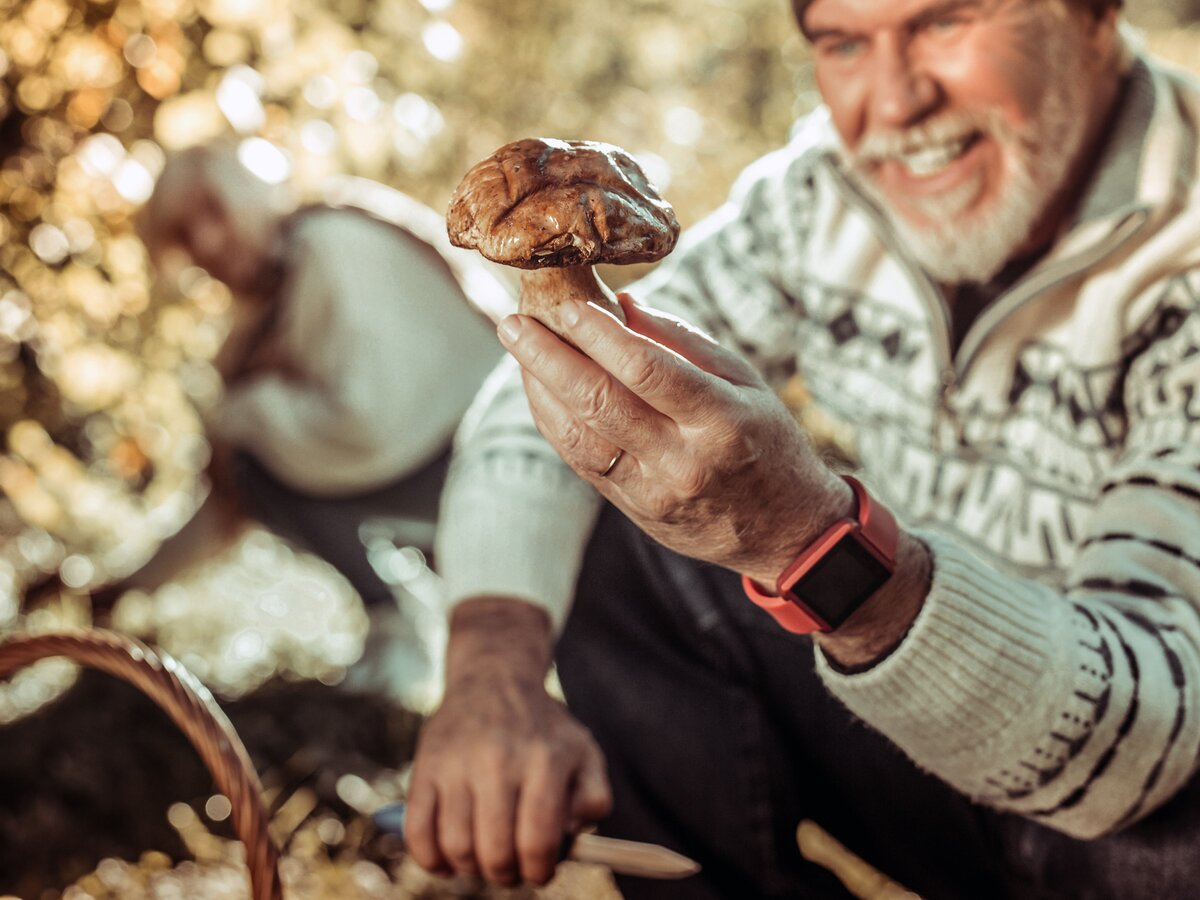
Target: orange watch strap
pixel 873 527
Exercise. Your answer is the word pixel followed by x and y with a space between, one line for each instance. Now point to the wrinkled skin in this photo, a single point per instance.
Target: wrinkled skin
pixel 502 770
pixel 714 462
pixel 714 466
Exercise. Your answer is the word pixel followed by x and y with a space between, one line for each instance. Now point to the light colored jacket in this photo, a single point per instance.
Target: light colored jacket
pixel 1051 465
pixel 379 353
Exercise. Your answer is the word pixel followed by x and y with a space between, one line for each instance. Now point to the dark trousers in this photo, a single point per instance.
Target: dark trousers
pixel 334 528
pixel 720 738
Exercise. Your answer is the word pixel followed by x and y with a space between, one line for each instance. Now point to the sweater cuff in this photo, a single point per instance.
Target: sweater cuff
pixel 517 530
pixel 971 666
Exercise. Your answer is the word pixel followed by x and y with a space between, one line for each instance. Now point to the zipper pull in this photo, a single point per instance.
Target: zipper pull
pixel 949 383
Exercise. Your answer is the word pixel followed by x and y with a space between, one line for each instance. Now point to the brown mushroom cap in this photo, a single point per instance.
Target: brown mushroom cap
pixel 538 203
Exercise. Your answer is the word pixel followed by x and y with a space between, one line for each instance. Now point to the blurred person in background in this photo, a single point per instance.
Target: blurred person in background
pixel 352 356
pixel 982 254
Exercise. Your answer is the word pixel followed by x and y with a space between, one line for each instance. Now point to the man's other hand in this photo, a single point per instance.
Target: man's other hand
pixel 502 771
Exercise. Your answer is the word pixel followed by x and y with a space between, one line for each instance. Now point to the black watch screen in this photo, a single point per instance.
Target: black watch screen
pixel 841 581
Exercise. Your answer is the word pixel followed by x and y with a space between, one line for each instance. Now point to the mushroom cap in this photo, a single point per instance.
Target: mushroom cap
pixel 540 202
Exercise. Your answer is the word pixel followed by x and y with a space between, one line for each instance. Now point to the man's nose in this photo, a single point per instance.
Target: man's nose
pixel 904 91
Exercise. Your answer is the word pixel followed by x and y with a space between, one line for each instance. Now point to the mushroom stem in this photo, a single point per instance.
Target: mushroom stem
pixel 544 290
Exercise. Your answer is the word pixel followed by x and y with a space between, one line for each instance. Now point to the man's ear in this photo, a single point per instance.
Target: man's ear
pixel 799 8
pixel 1107 40
pixel 1108 17
pixel 1099 25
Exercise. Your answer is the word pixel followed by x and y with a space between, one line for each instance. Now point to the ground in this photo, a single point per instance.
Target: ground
pixel 93 787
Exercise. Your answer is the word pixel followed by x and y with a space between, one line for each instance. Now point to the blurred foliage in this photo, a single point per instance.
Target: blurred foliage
pixel 101 377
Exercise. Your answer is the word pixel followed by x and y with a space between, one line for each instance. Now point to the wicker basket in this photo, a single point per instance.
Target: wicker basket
pixel 192 708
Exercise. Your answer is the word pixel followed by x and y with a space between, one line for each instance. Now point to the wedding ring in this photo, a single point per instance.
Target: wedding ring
pixel 612 463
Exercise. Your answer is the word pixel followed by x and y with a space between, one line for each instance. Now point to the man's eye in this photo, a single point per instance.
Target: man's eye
pixel 844 48
pixel 945 26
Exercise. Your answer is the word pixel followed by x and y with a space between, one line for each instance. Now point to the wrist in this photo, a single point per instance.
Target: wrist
pixel 837 501
pixel 880 625
pixel 495 639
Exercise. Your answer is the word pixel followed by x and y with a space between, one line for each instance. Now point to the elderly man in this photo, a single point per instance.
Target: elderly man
pixel 352 358
pixel 980 671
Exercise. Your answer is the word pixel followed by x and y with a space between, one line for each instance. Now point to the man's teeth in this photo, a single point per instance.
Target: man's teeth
pixel 929 160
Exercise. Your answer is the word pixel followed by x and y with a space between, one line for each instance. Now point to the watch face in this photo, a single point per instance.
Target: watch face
pixel 841 581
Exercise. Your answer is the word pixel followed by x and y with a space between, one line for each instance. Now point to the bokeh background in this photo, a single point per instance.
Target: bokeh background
pixel 103 376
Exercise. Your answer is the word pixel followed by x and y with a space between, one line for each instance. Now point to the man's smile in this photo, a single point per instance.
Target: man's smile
pixel 930 168
pixel 923 162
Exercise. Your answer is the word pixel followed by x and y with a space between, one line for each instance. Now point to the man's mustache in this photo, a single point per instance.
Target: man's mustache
pixel 941 131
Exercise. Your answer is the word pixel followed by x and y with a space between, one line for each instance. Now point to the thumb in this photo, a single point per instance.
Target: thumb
pixel 687 340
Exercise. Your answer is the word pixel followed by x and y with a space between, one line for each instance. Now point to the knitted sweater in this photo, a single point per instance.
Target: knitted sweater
pixel 1051 465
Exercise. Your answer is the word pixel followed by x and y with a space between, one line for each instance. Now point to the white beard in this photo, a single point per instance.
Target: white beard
pixel 960 245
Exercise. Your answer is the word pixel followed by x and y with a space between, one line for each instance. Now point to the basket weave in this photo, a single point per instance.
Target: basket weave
pixel 192 708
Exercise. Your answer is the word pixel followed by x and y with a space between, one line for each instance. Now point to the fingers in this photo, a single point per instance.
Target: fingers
pixel 420 827
pixel 542 820
pixel 594 397
pixel 506 837
pixel 686 340
pixel 612 357
pixel 465 828
pixel 662 376
pixel 496 773
pixel 580 447
pixel 495 827
pixel 454 830
pixel 592 799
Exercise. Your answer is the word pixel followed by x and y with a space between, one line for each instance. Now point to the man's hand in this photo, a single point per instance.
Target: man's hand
pixel 714 465
pixel 502 771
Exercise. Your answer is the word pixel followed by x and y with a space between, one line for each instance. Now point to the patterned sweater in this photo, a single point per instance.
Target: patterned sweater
pixel 1051 464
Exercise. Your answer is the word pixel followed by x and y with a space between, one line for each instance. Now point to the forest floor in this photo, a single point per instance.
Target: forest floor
pixel 93 787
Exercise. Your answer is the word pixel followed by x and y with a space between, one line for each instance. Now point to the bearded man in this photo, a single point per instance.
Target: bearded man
pixel 980 671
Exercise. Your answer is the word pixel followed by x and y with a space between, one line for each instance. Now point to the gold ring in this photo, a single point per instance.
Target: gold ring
pixel 612 463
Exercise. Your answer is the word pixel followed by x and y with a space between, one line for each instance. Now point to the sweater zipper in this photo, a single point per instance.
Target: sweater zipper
pixel 931 296
pixel 1040 283
pixel 950 371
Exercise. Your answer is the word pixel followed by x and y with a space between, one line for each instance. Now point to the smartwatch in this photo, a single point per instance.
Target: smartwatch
pixel 835 574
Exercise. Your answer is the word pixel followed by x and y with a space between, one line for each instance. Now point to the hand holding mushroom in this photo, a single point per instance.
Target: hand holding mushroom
pixel 681 434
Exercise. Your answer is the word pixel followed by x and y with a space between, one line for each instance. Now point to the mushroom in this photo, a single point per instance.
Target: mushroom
pixel 555 209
